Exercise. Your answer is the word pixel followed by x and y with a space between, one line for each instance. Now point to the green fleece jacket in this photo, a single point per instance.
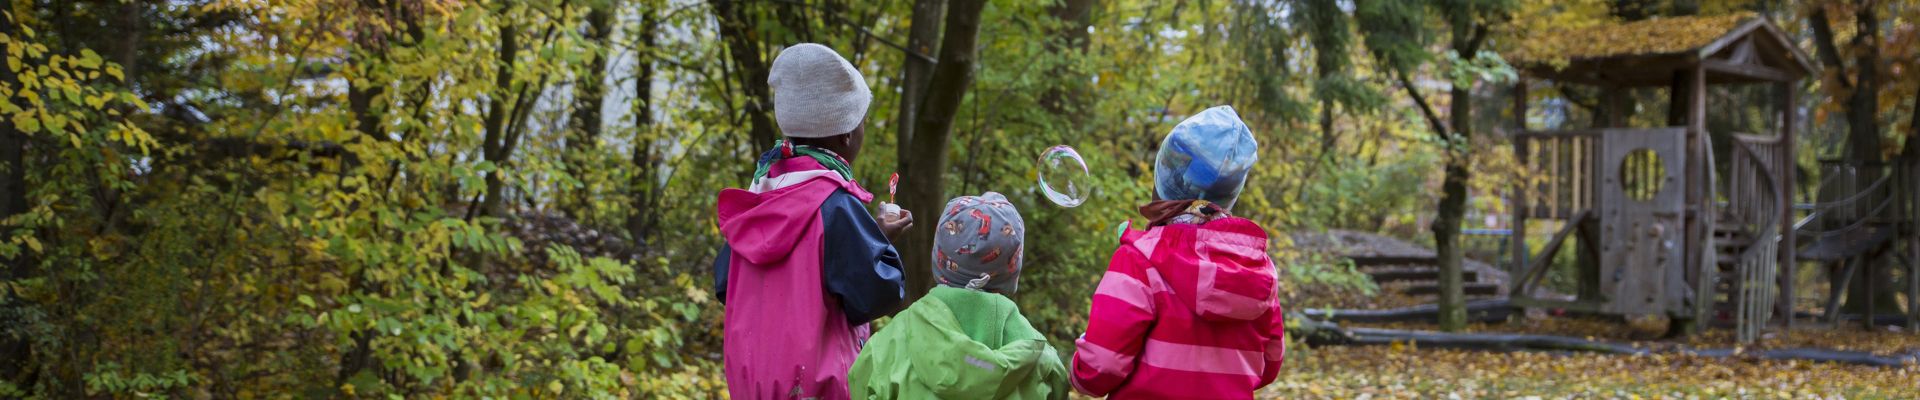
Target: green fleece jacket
pixel 959 344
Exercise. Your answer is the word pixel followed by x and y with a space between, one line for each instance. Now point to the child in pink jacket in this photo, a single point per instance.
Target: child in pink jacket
pixel 805 267
pixel 1187 308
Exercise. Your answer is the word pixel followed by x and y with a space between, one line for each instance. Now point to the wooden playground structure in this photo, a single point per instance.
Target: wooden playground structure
pixel 1687 223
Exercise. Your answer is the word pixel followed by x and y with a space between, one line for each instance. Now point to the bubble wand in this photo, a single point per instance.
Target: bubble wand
pixel 893 185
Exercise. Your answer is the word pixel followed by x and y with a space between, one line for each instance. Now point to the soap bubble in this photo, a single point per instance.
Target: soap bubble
pixel 1064 177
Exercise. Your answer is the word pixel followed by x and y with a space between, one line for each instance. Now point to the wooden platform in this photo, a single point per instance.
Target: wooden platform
pixel 1845 245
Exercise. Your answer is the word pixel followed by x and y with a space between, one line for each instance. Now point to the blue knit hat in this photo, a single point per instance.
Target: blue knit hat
pixel 1206 157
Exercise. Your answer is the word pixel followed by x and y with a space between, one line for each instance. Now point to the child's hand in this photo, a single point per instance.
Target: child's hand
pixel 894 221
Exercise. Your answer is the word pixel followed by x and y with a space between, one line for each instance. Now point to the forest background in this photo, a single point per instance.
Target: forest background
pixel 326 198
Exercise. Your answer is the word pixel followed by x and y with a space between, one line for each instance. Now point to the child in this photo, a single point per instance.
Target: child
pixel 1187 308
pixel 810 266
pixel 965 339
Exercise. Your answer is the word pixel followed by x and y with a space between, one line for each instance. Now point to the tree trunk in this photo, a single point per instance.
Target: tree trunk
pixel 13 145
pixel 493 147
pixel 1862 108
pixel 360 103
pixel 1453 188
pixel 13 200
pixel 1446 237
pixel 924 180
pixel 1863 140
pixel 589 91
pixel 1452 208
pixel 647 191
pixel 751 66
pixel 1068 96
pixel 922 38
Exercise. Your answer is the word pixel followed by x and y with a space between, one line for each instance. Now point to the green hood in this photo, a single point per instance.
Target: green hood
pixel 959 344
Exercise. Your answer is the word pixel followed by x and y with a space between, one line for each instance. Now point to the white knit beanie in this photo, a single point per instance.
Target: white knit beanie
pixel 816 93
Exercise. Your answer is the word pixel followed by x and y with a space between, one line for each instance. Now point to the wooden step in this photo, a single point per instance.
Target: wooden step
pixel 1416 274
pixel 1470 289
pixel 1737 241
pixel 1370 261
pixel 1728 256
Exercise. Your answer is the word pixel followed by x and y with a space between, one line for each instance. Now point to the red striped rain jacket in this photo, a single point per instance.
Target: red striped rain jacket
pixel 1184 312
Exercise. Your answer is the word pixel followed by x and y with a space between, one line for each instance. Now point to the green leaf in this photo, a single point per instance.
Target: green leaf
pixel 89 59
pixel 306 300
pixel 26 123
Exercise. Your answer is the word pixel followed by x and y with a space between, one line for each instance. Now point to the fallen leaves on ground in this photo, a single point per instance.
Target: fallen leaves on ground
pixel 1882 341
pixel 1407 371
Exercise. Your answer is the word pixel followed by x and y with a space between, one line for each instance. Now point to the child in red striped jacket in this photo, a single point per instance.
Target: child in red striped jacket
pixel 1187 309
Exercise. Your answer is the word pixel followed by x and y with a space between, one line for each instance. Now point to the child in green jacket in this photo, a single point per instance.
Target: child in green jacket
pixel 965 339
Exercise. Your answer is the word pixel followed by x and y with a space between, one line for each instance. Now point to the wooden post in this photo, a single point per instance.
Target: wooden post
pixel 1678 99
pixel 1789 262
pixel 1519 196
pixel 1912 193
pixel 1913 229
pixel 1913 245
pixel 1696 196
pixel 1873 284
pixel 1613 101
pixel 1588 261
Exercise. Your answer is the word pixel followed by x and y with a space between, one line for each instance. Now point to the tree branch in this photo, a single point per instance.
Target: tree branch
pixel 1823 45
pixel 1473 43
pixel 1426 110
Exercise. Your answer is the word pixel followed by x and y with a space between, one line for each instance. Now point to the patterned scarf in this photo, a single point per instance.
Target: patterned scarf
pixel 783 149
pixel 1165 212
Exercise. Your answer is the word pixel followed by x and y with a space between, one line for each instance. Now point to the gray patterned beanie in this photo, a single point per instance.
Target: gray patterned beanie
pixel 977 244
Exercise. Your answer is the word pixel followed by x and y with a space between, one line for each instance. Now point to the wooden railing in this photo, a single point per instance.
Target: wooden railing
pixel 1754 210
pixel 1563 165
pixel 1857 203
pixel 1859 219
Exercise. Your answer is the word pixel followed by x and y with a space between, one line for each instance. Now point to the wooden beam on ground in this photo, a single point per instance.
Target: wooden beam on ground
pixel 1490 310
pixel 1591 307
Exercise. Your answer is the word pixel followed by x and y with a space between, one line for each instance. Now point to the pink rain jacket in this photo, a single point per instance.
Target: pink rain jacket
pixel 794 323
pixel 1184 312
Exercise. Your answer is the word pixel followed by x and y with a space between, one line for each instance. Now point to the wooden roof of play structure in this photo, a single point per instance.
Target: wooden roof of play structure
pixel 1739 48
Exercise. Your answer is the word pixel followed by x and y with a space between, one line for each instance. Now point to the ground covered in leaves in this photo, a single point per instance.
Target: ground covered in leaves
pixel 1408 371
pixel 1884 340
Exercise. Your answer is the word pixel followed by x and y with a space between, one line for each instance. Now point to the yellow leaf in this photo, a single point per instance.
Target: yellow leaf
pixel 89 59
